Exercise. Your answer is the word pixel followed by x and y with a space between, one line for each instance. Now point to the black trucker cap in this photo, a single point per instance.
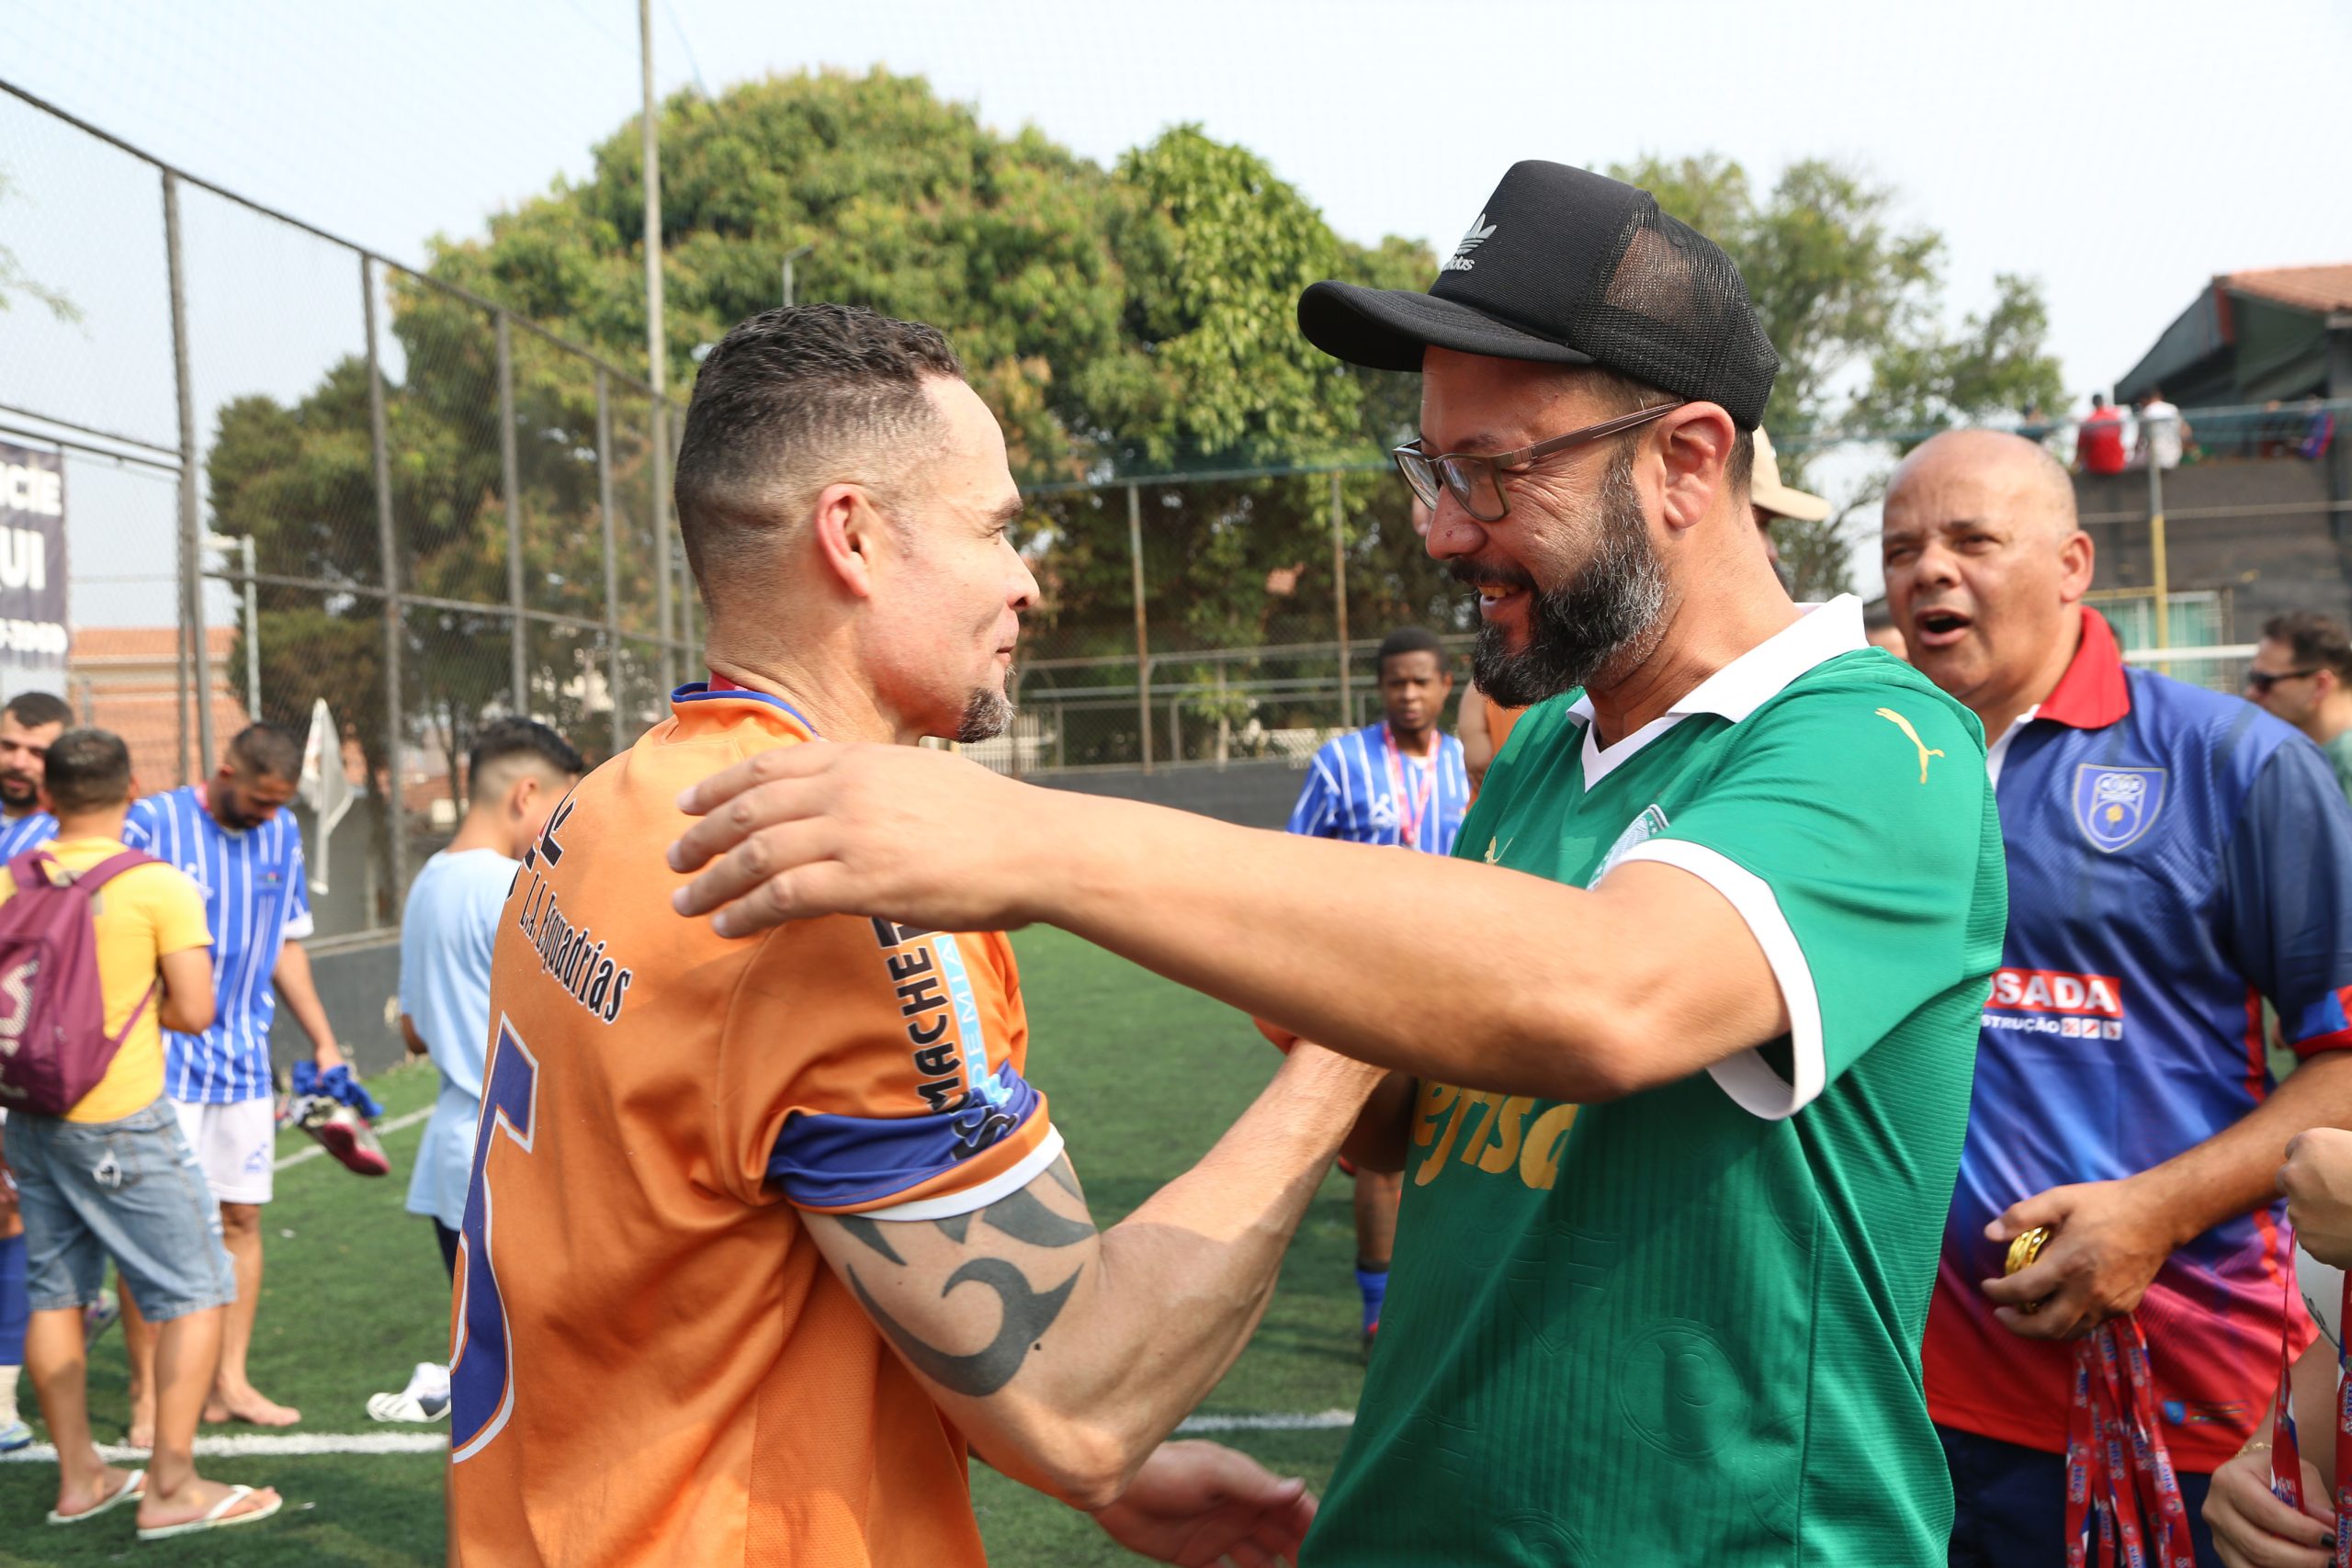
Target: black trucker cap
pixel 1568 267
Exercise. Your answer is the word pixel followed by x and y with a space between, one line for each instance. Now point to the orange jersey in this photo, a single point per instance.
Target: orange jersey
pixel 1500 720
pixel 651 1362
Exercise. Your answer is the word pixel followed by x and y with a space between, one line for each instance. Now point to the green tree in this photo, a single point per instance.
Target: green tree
pixel 1138 319
pixel 1852 299
pixel 1997 361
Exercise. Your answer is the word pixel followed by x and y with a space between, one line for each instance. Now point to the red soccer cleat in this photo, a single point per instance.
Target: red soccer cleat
pixel 342 1132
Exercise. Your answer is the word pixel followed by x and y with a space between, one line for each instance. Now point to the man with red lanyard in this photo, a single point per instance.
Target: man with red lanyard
pixel 1400 781
pixel 2175 856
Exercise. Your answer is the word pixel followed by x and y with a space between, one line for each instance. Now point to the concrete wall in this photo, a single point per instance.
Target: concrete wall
pixel 1255 795
pixel 357 985
pixel 2265 564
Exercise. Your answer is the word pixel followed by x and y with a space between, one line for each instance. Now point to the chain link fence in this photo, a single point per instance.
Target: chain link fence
pixel 298 473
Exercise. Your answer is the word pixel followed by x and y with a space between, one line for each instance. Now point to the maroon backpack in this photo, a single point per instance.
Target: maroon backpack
pixel 53 1042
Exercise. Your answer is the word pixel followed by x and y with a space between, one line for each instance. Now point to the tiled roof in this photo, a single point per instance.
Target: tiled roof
pixel 2319 289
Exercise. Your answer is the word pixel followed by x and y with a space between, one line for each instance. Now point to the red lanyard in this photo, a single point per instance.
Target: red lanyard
pixel 1411 811
pixel 2286 1453
pixel 2116 1460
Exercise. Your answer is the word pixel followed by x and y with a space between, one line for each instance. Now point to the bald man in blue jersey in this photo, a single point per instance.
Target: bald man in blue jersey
pixel 2175 857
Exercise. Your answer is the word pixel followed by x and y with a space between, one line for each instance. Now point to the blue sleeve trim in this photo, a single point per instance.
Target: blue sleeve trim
pixel 824 1161
pixel 2287 876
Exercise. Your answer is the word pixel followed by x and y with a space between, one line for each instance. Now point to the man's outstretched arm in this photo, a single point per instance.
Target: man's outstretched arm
pixel 1496 980
pixel 1069 1354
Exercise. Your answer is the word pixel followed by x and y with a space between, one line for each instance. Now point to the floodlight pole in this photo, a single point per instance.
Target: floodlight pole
pixel 197 686
pixel 657 359
pixel 2156 547
pixel 1143 634
pixel 789 257
pixel 1340 597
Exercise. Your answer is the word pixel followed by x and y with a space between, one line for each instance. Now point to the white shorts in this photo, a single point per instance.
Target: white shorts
pixel 236 1143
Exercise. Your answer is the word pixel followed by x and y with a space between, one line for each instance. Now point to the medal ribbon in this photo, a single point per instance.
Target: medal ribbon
pixel 1411 810
pixel 2118 1475
pixel 2286 1452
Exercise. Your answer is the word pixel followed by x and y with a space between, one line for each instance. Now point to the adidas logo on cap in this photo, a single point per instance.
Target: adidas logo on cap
pixel 1480 232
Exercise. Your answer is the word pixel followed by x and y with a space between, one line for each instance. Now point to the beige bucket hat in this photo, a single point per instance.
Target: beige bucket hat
pixel 1765 491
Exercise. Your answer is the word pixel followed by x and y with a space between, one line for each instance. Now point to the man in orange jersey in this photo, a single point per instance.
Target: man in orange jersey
pixel 784 1209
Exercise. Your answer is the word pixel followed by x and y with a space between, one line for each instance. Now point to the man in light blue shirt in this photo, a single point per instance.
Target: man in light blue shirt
pixel 1401 783
pixel 518 772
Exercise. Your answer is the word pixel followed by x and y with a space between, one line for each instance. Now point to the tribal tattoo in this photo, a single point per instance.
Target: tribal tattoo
pixel 1028 1311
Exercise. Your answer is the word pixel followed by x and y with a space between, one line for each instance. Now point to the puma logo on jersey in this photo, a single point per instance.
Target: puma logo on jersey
pixel 1911 735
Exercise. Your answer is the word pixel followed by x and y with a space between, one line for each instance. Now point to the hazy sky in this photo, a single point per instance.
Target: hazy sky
pixel 2122 154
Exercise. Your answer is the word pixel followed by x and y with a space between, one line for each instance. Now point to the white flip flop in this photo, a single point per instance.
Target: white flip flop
pixel 131 1490
pixel 217 1516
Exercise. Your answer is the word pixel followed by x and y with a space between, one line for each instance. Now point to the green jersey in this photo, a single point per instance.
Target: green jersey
pixel 1683 1326
pixel 2339 757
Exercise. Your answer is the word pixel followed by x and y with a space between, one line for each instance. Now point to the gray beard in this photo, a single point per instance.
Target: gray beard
pixel 1604 620
pixel 985 716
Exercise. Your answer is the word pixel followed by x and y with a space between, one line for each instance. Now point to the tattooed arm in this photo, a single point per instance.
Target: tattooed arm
pixel 1067 1354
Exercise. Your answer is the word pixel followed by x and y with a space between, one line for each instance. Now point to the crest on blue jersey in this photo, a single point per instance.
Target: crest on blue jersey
pixel 2115 806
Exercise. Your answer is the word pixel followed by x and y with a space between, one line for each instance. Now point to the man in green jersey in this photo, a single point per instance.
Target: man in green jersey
pixel 2303 671
pixel 1683 1036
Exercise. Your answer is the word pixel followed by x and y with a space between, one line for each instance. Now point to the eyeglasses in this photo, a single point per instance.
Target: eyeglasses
pixel 2259 682
pixel 1476 479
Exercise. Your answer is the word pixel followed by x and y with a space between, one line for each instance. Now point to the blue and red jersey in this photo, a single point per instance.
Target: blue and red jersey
pixel 2175 857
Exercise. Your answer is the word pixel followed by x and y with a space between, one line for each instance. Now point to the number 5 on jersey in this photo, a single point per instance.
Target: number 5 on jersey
pixel 482 1385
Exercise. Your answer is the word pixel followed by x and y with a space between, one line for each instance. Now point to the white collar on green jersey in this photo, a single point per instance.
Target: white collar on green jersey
pixel 1744 684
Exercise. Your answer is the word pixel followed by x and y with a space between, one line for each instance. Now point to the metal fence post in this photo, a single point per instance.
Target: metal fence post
pixel 509 479
pixel 612 555
pixel 198 689
pixel 387 547
pixel 657 357
pixel 2156 550
pixel 1340 597
pixel 666 617
pixel 1143 639
pixel 689 603
pixel 253 631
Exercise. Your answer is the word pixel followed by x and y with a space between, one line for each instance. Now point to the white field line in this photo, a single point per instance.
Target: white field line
pixel 313 1151
pixel 267 1445
pixel 436 1439
pixel 1303 1421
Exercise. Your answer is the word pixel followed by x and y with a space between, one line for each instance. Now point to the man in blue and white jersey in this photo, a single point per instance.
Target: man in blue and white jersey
pixel 27 724
pixel 1402 782
pixel 231 835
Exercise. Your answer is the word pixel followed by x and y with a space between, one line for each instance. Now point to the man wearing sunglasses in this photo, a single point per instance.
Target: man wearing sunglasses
pixel 1680 1036
pixel 2303 672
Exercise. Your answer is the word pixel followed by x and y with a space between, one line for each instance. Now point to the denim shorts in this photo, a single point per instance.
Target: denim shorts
pixel 129 1189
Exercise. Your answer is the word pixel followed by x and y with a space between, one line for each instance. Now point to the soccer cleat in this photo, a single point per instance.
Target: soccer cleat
pixel 340 1130
pixel 14 1436
pixel 426 1398
pixel 99 1316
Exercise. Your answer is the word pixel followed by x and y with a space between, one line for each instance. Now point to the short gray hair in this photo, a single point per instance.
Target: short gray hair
pixel 791 400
